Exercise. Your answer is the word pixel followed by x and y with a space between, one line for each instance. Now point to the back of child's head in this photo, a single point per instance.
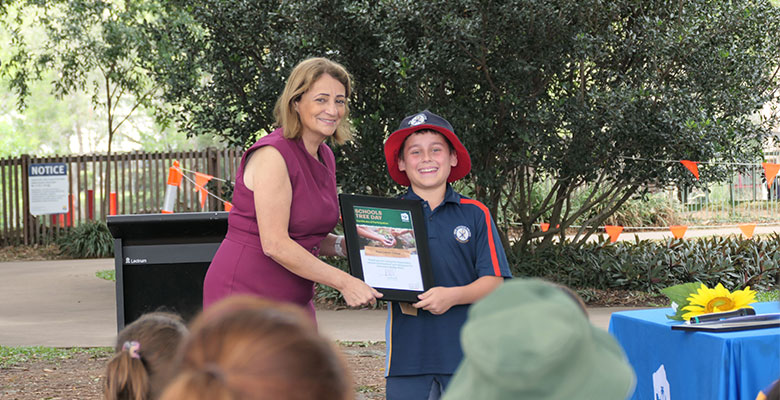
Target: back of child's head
pixel 248 348
pixel 145 353
pixel 529 339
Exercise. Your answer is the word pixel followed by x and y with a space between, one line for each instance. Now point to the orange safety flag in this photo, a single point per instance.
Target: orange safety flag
pixel 200 185
pixel 613 231
pixel 748 229
pixel 545 226
pixel 692 166
pixel 228 206
pixel 678 231
pixel 770 170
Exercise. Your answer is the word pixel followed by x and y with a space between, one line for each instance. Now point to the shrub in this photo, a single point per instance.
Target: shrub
pixel 88 240
pixel 649 265
pixel 654 210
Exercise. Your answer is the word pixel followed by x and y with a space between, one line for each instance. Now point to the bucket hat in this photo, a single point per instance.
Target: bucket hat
pixel 530 340
pixel 423 121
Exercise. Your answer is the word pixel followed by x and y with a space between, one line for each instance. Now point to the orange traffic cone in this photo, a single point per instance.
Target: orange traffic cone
pixel 174 181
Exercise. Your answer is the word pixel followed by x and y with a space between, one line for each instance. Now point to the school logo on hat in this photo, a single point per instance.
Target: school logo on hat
pixel 418 119
pixel 462 234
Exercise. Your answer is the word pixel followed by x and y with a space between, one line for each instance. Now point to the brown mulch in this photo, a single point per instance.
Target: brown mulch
pixel 77 377
pixel 31 253
pixel 621 298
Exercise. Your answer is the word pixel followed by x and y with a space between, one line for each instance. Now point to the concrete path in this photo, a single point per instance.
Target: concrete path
pixel 63 304
pixel 56 303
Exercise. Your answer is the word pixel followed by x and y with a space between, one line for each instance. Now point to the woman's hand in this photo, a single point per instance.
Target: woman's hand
pixel 357 293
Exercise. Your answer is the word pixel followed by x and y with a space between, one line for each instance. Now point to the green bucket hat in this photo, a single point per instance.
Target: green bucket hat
pixel 530 340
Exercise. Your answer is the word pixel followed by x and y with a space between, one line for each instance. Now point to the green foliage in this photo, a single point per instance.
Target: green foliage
pixel 536 89
pixel 650 210
pixel 98 48
pixel 107 274
pixel 678 295
pixel 13 356
pixel 769 295
pixel 91 239
pixel 649 265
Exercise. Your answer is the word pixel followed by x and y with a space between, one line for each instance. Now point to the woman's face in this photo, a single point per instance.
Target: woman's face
pixel 322 106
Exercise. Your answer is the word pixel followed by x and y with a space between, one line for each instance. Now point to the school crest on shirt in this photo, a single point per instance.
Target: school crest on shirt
pixel 417 120
pixel 462 233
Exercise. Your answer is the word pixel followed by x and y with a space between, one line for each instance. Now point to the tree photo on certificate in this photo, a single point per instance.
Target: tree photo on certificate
pixel 387 245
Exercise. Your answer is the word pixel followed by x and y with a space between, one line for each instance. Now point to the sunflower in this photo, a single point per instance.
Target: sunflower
pixel 707 300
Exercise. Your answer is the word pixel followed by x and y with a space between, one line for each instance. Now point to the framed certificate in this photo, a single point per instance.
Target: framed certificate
pixel 387 245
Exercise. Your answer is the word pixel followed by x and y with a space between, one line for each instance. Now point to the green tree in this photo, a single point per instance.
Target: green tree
pixel 578 94
pixel 97 46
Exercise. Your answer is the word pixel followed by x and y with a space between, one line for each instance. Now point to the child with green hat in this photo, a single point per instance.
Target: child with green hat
pixel 423 345
pixel 530 340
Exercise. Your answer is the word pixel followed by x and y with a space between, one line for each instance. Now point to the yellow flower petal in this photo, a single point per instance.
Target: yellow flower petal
pixel 719 299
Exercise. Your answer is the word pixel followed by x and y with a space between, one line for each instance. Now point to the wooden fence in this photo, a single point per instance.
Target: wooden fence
pixel 137 181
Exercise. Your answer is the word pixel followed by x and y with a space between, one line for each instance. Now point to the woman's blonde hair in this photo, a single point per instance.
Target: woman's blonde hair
pixel 246 348
pixel 145 354
pixel 301 79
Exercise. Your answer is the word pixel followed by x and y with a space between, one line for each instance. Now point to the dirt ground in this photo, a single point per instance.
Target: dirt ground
pixel 79 377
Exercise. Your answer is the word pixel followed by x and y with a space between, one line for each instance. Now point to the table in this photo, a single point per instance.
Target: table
pixel 698 365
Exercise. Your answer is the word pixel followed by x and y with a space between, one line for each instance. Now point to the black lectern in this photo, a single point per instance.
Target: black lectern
pixel 161 260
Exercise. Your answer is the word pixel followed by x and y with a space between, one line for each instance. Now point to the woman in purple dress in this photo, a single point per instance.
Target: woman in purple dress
pixel 285 199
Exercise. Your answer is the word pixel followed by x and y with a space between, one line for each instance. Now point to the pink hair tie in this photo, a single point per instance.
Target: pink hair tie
pixel 133 348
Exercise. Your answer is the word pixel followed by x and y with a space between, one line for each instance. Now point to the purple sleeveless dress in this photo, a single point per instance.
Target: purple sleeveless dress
pixel 239 266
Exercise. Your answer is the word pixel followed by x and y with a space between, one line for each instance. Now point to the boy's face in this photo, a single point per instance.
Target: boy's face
pixel 427 160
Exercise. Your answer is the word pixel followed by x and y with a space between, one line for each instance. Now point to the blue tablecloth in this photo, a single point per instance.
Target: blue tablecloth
pixel 698 365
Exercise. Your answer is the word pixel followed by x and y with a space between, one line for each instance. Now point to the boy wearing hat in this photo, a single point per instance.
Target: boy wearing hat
pixel 423 338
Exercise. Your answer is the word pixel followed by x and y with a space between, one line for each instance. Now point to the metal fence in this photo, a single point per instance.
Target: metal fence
pixel 137 181
pixel 745 198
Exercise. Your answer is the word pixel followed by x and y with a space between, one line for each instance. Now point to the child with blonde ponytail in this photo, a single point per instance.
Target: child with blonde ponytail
pixel 145 352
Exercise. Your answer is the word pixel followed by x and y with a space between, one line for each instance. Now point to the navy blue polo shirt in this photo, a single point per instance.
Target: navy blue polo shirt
pixel 464 246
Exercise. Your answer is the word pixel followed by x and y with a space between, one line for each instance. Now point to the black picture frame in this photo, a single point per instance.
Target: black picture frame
pixel 400 271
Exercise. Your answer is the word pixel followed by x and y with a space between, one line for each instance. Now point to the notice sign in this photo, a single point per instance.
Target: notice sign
pixel 48 188
pixel 387 245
